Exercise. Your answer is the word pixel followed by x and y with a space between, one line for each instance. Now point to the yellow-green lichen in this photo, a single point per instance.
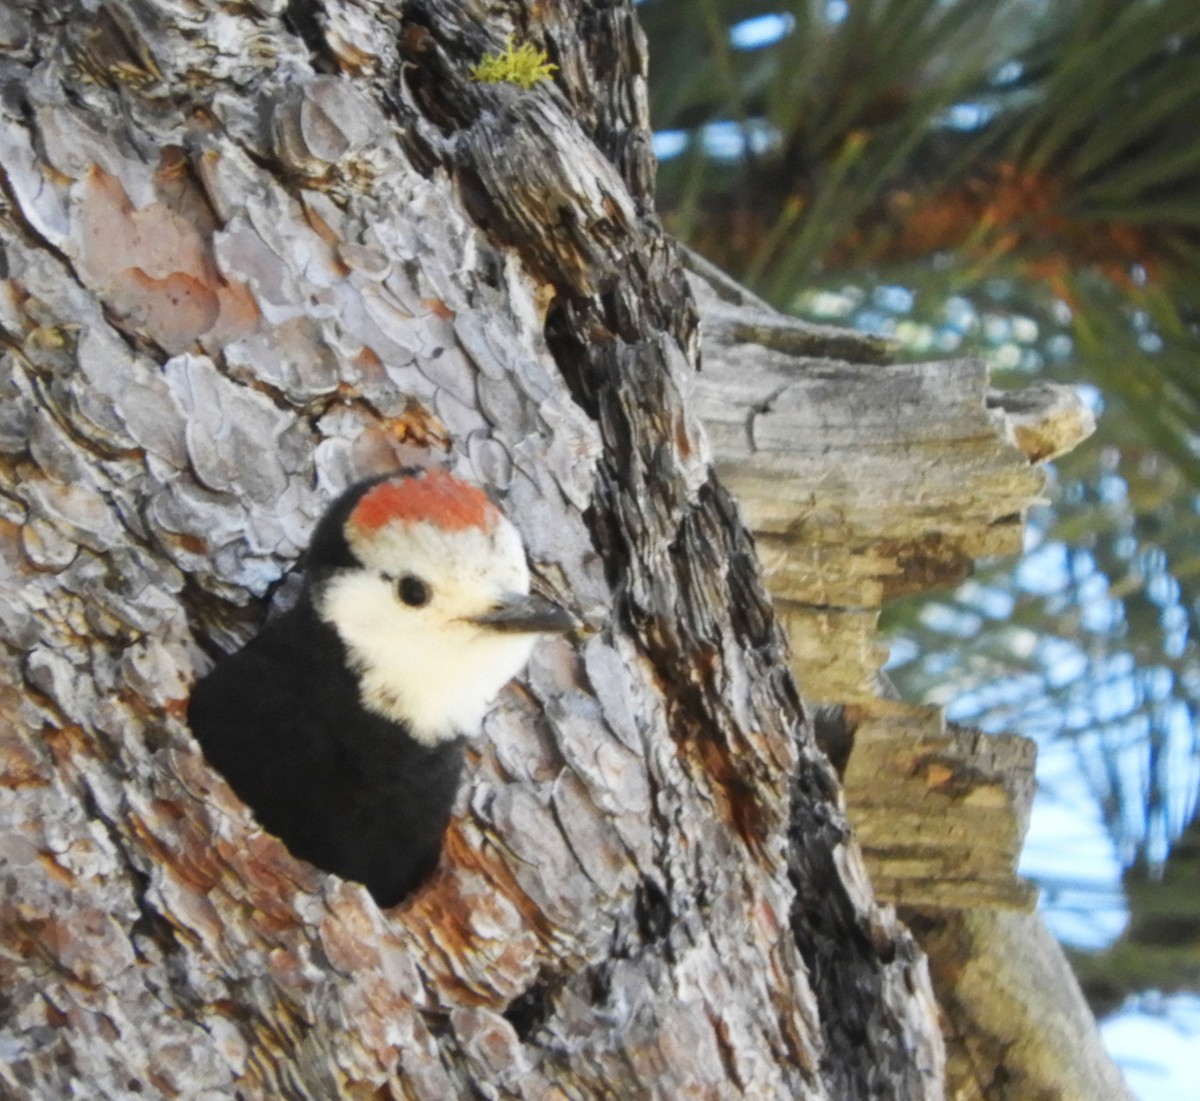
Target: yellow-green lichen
pixel 524 65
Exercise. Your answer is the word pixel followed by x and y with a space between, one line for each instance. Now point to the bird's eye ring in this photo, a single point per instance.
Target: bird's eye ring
pixel 413 591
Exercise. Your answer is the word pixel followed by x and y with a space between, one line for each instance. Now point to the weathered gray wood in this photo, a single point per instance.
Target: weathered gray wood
pixel 863 481
pixel 252 251
pixel 940 810
pixel 1017 1019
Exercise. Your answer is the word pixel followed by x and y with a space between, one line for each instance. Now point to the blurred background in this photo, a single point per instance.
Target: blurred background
pixel 1017 180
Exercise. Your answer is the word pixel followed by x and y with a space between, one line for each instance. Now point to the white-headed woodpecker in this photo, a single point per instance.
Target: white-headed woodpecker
pixel 341 724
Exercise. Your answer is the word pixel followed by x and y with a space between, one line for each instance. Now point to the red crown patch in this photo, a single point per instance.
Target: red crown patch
pixel 435 497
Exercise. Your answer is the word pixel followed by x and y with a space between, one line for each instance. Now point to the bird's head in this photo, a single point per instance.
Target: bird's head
pixel 427 585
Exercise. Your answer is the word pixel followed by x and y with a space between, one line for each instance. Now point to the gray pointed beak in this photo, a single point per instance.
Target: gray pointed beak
pixel 517 613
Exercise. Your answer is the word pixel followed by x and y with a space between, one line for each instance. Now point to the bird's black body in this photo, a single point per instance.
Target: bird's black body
pixel 343 787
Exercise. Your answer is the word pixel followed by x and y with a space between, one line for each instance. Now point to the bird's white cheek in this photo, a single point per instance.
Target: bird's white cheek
pixel 436 677
pixel 442 687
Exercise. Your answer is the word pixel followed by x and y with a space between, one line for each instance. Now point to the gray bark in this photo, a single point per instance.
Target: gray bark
pixel 252 252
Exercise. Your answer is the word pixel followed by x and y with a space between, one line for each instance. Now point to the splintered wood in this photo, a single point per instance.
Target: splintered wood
pixel 864 481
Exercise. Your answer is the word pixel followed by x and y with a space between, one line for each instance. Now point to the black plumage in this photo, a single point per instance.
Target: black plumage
pixel 342 787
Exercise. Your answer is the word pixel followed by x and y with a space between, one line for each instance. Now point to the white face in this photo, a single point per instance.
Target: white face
pixel 427 666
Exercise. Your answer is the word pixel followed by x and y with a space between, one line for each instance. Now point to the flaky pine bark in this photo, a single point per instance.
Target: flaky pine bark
pixel 253 251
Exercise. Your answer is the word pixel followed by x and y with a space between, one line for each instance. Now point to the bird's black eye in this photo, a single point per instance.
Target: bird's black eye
pixel 413 591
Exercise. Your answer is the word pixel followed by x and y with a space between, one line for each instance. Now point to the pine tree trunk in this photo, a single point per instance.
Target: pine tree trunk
pixel 252 252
